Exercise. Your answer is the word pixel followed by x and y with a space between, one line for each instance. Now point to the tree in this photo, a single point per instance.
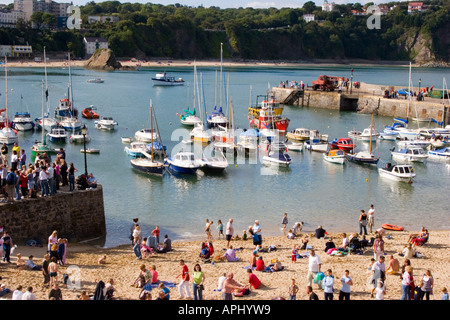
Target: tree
pixel 309 7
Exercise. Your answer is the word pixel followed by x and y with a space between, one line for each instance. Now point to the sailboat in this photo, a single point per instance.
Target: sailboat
pixel 7 134
pixel 364 157
pixel 40 147
pixel 70 122
pixel 198 133
pixel 189 118
pixel 225 138
pixel 148 164
pixel 46 122
pixel 217 117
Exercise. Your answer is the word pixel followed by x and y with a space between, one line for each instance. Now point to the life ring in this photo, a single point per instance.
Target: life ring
pixel 392 227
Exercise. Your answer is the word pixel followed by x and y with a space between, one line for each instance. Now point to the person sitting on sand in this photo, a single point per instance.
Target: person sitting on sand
pixel 329 245
pixel 320 232
pixel 253 280
pixel 290 234
pixel 276 265
pixel 413 236
pixel 305 241
pixel 230 254
pixel 408 252
pixel 260 266
pixel 146 251
pixel 101 260
pixel 30 264
pixel 253 257
pixel 421 240
pixel 393 266
pixel 84 296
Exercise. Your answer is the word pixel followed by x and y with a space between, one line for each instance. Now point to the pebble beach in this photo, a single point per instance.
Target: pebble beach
pixel 122 266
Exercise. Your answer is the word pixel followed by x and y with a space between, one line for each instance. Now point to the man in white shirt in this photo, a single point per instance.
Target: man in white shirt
pixel 229 232
pixel 43 179
pixel 51 179
pixel 378 270
pixel 29 294
pixel 370 218
pixel 313 267
pixel 17 294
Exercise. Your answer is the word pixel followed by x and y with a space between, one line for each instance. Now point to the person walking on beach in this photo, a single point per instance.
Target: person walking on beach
pixel 426 285
pixel 313 267
pixel 133 225
pixel 137 238
pixel 183 287
pixel 284 222
pixel 371 218
pixel 7 244
pixel 208 230
pixel 53 271
pixel 220 229
pixel 45 273
pixel 363 223
pixel 229 232
pixel 344 293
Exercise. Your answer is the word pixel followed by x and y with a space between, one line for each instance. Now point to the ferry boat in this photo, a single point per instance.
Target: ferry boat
pixel 162 79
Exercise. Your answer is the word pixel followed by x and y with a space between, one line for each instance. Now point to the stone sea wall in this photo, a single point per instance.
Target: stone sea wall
pixel 77 216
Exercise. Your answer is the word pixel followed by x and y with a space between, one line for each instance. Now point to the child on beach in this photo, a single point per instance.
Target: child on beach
pixel 293 289
pixel 444 294
pixel 244 235
pixel 294 254
pixel 284 222
pixel 102 260
pixel 19 263
pixel 220 229
pixel 380 290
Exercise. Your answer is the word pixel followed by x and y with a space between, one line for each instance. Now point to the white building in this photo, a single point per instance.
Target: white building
pixel 9 18
pixel 5 51
pixel 328 7
pixel 31 6
pixel 93 43
pixel 21 51
pixel 308 17
pixel 101 19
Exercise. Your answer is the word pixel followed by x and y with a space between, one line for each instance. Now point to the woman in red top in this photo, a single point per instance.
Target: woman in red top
pixel 24 183
pixel 184 284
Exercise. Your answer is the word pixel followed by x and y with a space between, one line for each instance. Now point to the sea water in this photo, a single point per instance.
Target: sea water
pixel 310 190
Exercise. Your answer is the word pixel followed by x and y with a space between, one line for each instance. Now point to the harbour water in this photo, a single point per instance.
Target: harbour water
pixel 310 190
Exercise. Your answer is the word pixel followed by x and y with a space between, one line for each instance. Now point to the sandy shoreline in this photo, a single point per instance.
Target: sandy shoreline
pixel 209 63
pixel 123 267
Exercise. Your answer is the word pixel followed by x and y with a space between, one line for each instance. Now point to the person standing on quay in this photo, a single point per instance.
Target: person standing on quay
pixel 371 218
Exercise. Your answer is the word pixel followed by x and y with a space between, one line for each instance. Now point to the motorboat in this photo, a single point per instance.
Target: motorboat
pixel 89 113
pixel 387 134
pixel 57 135
pixel 71 124
pixel 162 79
pixel 267 118
pixel 8 135
pixel 126 139
pixel 316 145
pixel 294 146
pixel 96 80
pixel 276 154
pixel 183 162
pixel 189 118
pixel 146 135
pixel 106 123
pixel 148 166
pixel 398 172
pixel 3 119
pixel 440 154
pixel 362 157
pixel 136 149
pixel 335 156
pixel 22 121
pixel 213 164
pixel 299 134
pixel 421 143
pixel 157 147
pixel 46 123
pixel 408 134
pixel 367 134
pixel 439 143
pixel 345 144
pixel 78 137
pixel 64 109
pixel 90 150
pixel 217 118
pixel 414 154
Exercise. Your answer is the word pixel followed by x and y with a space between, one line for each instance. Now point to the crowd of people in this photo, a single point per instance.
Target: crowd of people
pixel 23 179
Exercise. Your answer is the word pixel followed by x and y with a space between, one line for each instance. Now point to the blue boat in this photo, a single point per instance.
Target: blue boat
pixel 148 166
pixel 440 155
pixel 183 162
pixel 362 157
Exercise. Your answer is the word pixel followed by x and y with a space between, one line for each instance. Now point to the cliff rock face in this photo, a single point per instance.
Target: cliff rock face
pixel 103 59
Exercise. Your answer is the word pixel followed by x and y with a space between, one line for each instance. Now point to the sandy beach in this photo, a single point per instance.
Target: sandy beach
pixel 205 63
pixel 122 266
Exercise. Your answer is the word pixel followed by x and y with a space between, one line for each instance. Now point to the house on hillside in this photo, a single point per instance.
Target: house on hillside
pixel 93 43
pixel 328 7
pixel 308 17
pixel 414 7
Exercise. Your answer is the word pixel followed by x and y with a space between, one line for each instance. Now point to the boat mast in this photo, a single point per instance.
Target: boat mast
pixel 370 143
pixel 6 91
pixel 42 126
pixel 151 127
pixel 221 74
pixel 70 88
pixel 409 95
